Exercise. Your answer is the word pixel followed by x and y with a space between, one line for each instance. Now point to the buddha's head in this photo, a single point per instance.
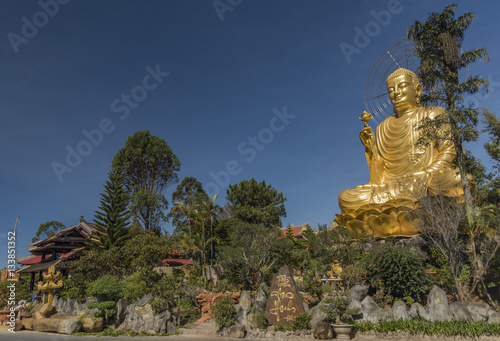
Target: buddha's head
pixel 404 87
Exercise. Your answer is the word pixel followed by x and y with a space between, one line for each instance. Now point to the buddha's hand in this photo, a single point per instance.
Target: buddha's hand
pixel 367 138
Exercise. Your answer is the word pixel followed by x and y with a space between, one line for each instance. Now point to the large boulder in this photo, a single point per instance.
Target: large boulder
pixel 399 311
pixel 92 325
pixel 323 331
pixel 418 310
pixel 121 310
pixel 317 314
pixel 140 317
pixel 459 311
pixel 27 323
pixel 479 311
pixel 437 305
pixel 369 309
pixel 243 307
pixel 471 311
pixel 359 292
pixel 47 310
pixel 494 318
pixel 58 325
pixel 70 326
pixel 46 325
pixel 237 332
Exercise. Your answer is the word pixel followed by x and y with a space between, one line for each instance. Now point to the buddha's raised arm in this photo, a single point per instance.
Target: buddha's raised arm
pixel 375 164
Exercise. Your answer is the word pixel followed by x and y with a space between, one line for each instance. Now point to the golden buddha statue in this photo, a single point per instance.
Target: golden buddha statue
pixel 400 170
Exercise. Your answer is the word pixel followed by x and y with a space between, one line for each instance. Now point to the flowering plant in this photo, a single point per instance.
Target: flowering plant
pixel 311 283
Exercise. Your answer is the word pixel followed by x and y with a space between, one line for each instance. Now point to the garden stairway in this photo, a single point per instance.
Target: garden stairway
pixel 199 329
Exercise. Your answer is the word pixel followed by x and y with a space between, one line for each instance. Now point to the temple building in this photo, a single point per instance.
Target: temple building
pixel 59 250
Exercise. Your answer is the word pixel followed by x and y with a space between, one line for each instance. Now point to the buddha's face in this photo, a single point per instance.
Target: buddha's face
pixel 403 92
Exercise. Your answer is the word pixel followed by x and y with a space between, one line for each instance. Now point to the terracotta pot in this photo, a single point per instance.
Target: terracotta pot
pixel 343 331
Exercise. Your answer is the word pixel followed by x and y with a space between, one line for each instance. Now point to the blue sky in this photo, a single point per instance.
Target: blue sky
pixel 229 74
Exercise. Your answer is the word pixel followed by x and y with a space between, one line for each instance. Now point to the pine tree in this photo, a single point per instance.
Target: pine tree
pixel 111 220
pixel 437 44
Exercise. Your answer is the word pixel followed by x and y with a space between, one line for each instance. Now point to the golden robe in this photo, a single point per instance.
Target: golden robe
pixel 401 171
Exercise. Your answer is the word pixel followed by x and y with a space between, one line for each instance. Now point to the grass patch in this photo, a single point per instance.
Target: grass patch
pixel 418 326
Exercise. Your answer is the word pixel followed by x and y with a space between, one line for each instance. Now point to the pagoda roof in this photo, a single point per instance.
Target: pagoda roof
pixel 64 240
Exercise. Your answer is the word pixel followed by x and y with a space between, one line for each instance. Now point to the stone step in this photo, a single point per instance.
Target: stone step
pixel 208 328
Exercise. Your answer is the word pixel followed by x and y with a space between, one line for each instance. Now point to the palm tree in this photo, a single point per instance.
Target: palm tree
pixel 211 211
pixel 188 210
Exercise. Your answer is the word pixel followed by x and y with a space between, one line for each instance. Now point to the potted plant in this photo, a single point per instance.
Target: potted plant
pixel 339 314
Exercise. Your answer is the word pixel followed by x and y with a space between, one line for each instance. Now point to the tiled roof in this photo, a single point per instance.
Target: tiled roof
pixel 177 262
pixel 296 230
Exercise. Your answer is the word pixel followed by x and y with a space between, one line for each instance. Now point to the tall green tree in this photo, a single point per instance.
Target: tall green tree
pixel 190 193
pixel 47 230
pixel 111 219
pixel 437 44
pixel 149 166
pixel 211 212
pixel 257 203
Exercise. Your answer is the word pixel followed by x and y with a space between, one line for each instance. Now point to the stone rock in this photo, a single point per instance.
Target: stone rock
pixel 297 333
pixel 385 314
pixel 37 315
pixel 323 331
pixel 418 310
pixel 269 335
pixel 245 301
pixel 72 307
pixel 69 326
pixel 369 309
pixel 399 310
pixel 317 314
pixel 47 310
pixel 27 323
pixel 222 332
pixel 261 294
pixel 280 335
pixel 92 325
pixel 284 302
pixel 494 318
pixel 46 325
pixel 306 307
pixel 459 311
pixel 19 325
pixel 140 317
pixel 359 292
pixel 121 309
pixel 437 305
pixel 479 311
pixel 57 325
pixel 171 328
pixel 304 332
pixel 243 307
pixel 237 331
pixel 357 306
